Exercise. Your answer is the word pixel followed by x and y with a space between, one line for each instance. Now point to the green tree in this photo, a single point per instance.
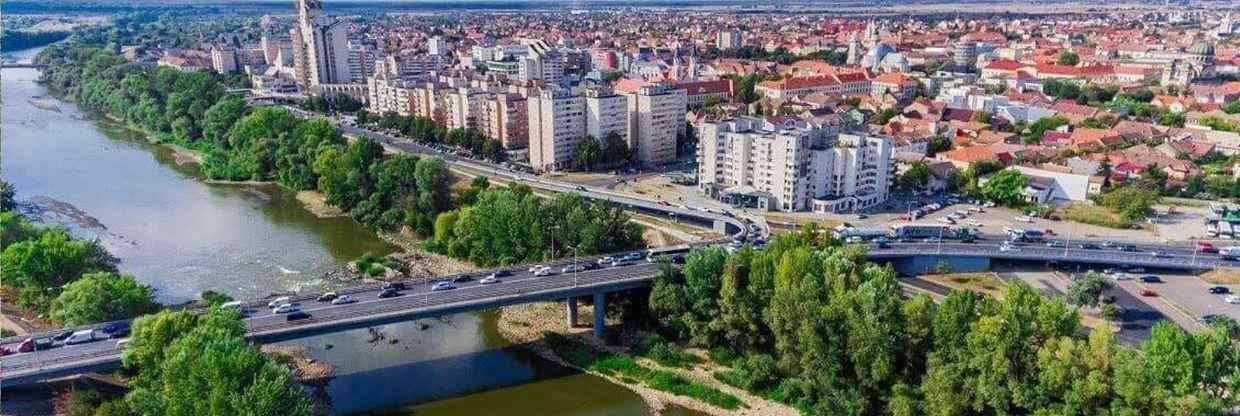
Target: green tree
pixel 1087 289
pixel 39 267
pixel 1068 58
pixel 916 178
pixel 7 194
pixel 1006 187
pixel 1133 203
pixel 100 297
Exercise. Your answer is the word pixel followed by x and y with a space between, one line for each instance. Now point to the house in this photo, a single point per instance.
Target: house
pixel 965 156
pixel 1087 138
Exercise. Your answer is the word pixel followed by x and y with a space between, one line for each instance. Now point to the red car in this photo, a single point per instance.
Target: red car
pixel 1206 247
pixel 1148 293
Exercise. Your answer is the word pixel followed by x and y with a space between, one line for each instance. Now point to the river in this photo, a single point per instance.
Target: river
pixel 182 236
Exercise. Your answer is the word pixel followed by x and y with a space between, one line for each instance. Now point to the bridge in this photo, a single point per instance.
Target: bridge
pixel 16 65
pixel 520 287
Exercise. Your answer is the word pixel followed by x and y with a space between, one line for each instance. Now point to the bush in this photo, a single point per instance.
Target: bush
pixel 723 356
pixel 656 348
pixel 1095 215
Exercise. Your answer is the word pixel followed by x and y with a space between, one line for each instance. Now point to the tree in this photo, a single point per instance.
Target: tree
pixel 39 267
pixel 1043 125
pixel 7 194
pixel 1133 203
pixel 101 297
pixel 1006 187
pixel 916 178
pixel 1068 58
pixel 1087 289
pixel 202 365
pixel 587 154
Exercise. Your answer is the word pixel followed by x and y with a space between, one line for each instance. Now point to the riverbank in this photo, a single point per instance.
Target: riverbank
pixel 527 324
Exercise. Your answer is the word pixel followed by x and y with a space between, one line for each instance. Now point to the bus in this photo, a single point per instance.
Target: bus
pixel 673 253
pixel 922 230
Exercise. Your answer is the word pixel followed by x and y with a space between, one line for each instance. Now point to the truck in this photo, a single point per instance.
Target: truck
pixel 1229 253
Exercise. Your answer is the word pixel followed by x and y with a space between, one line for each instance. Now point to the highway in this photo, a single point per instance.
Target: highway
pixel 418 301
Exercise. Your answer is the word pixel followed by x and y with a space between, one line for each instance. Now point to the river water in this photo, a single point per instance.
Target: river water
pixel 182 236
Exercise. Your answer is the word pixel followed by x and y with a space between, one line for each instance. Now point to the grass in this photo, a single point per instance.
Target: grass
pixel 1094 215
pixel 627 369
pixel 986 282
pixel 1222 276
pixel 666 354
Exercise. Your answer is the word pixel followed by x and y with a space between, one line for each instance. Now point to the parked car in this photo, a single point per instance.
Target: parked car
pixel 573 268
pixel 606 260
pixel 328 297
pixel 1206 247
pixel 543 271
pixel 442 286
pixel 343 299
pixel 1149 278
pixel 285 308
pixel 122 343
pixel 462 278
pixel 1219 290
pixel 388 293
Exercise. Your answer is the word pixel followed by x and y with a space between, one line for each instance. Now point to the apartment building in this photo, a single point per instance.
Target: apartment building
pixel 606 113
pixel 461 106
pixel 840 85
pixel 389 95
pixel 656 118
pixel 504 117
pixel 361 62
pixel 748 161
pixel 224 60
pixel 556 123
pixel 728 39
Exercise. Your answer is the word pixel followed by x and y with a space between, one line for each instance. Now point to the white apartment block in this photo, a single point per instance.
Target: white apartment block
pixel 224 60
pixel 461 106
pixel 361 62
pixel 606 113
pixel 728 39
pixel 389 95
pixel 324 49
pixel 556 123
pixel 746 161
pixel 656 118
pixel 437 46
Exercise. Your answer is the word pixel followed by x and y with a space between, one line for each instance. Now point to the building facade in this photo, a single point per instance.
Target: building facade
pixel 556 123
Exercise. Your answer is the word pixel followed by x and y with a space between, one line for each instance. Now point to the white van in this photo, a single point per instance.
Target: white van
pixel 235 305
pixel 81 337
pixel 278 301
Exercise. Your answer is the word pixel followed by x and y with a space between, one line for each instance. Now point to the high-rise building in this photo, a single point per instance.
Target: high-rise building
pixel 606 113
pixel 324 57
pixel 964 54
pixel 751 162
pixel 504 117
pixel 656 119
pixel 541 63
pixel 728 39
pixel 436 46
pixel 390 95
pixel 556 123
pixel 361 62
pixel 224 59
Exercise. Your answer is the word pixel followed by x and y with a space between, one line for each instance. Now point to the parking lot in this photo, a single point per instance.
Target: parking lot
pixel 1187 295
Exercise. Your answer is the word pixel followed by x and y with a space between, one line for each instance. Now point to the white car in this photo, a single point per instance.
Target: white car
pixel 1121 276
pixel 545 271
pixel 489 280
pixel 1007 247
pixel 442 286
pixel 343 299
pixel 278 301
pixel 1232 299
pixel 1024 218
pixel 606 260
pixel 285 308
pixel 536 268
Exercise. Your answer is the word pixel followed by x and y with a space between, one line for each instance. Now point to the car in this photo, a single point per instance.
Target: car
pixel 1008 247
pixel 394 286
pixel 1149 278
pixel 1127 247
pixel 1232 299
pixel 297 316
pixel 1206 247
pixel 1091 246
pixel 606 260
pixel 285 308
pixel 462 278
pixel 1219 290
pixel 81 337
pixel 328 297
pixel 343 299
pixel 634 256
pixel 442 286
pixel 1121 276
pixel 489 280
pixel 573 268
pixel 1160 254
pixel 279 301
pixel 122 343
pixel 545 271
pixel 1055 243
pixel 115 329
pixel 389 293
pixel 862 216
pixel 501 273
pixel 618 262
pixel 882 242
pixel 1149 293
pixel 535 268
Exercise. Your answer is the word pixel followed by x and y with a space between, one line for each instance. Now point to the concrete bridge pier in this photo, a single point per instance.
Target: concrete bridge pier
pixel 600 314
pixel 571 311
